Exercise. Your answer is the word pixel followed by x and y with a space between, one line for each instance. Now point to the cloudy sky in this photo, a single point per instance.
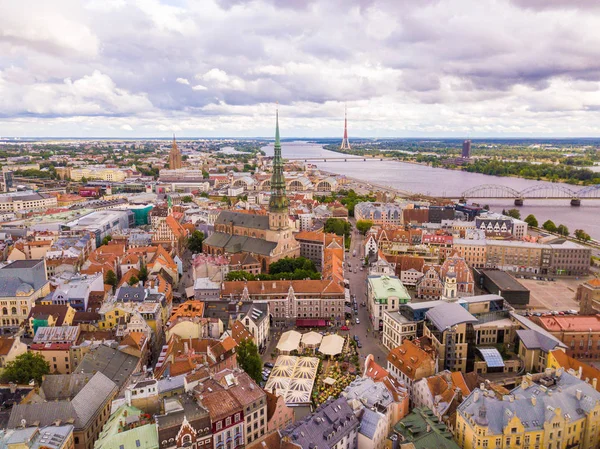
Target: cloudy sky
pixel 218 67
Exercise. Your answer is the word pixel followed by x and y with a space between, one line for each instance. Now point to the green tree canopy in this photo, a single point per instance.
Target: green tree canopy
pixel 111 279
pixel 515 213
pixel 143 276
pixel 363 226
pixel 133 280
pixel 562 230
pixel 239 275
pixel 195 242
pixel 337 226
pixel 249 360
pixel 580 234
pixel 531 220
pixel 187 199
pixel 106 240
pixel 549 226
pixel 26 367
pixel 289 264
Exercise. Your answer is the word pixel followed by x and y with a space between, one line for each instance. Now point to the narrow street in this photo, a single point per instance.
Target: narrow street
pixel 369 338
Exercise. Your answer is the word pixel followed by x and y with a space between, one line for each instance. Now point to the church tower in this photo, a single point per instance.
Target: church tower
pixel 174 156
pixel 279 203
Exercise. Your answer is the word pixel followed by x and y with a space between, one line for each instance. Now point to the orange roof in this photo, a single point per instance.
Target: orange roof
pixel 281 287
pixel 134 339
pixel 239 332
pixel 566 323
pixel 6 345
pixel 408 358
pixel 188 309
pixel 314 236
pixel 374 370
pixel 587 371
pixel 459 381
pixel 163 257
pixel 594 282
pixel 128 275
pixel 176 228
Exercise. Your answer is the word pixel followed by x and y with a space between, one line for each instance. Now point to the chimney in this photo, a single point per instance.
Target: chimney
pixel 578 394
pixel 594 383
pixel 511 398
pixel 533 400
pixel 476 396
pixel 128 396
pixel 548 372
pixel 559 371
pixel 580 372
pixel 482 386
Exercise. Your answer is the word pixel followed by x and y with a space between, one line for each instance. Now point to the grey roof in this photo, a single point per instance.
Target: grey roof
pixel 257 312
pixel 368 392
pixel 11 286
pixel 20 264
pixel 183 405
pixel 424 304
pixel 114 364
pixel 328 425
pixel 79 410
pixel 368 423
pixel 449 314
pixel 534 340
pixel 480 298
pixel 528 324
pixel 533 413
pixel 126 294
pixel 245 220
pixel 171 383
pixel 239 243
pixel 61 387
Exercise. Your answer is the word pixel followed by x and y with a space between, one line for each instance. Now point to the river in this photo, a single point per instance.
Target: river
pixel 439 181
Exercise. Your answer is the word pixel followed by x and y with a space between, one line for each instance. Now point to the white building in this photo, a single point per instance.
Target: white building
pixel 396 328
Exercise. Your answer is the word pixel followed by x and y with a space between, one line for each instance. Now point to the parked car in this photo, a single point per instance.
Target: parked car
pixel 572 312
pixel 359 344
pixel 268 365
pixel 356 338
pixel 357 321
pixel 345 328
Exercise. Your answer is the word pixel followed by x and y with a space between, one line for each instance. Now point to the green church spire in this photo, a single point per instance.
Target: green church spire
pixel 279 201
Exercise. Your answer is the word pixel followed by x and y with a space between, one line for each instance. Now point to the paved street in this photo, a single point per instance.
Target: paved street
pixel 370 339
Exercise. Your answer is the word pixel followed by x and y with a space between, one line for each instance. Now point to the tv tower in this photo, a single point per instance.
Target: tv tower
pixel 345 141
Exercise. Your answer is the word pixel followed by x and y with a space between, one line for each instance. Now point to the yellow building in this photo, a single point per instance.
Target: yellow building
pixel 101 172
pixel 550 410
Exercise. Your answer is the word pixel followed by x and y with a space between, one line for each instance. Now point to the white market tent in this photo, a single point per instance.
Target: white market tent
pixel 332 345
pixel 293 378
pixel 311 339
pixel 289 341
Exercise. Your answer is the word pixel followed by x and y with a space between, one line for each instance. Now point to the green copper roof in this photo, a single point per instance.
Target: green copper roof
pixel 385 287
pixel 279 201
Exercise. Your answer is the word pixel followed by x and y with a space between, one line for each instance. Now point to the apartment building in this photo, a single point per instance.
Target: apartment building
pixel 580 333
pixel 553 409
pixel 26 201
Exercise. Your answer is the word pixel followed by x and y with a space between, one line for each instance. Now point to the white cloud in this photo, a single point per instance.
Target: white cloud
pixel 76 66
pixel 126 127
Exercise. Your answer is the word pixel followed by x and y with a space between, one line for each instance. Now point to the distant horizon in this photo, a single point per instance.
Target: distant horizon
pixel 5 139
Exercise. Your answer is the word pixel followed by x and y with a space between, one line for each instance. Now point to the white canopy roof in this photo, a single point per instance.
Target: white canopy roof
pixel 332 345
pixel 289 341
pixel 311 338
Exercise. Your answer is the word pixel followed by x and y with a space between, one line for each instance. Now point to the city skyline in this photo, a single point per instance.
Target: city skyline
pixel 458 69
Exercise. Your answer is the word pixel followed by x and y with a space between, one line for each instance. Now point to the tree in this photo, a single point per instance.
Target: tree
pixel 143 276
pixel 562 230
pixel 106 240
pixel 580 234
pixel 84 180
pixel 531 220
pixel 239 275
pixel 337 226
pixel 26 367
pixel 111 279
pixel 249 360
pixel 549 226
pixel 195 242
pixel 363 226
pixel 187 199
pixel 515 213
pixel 133 280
